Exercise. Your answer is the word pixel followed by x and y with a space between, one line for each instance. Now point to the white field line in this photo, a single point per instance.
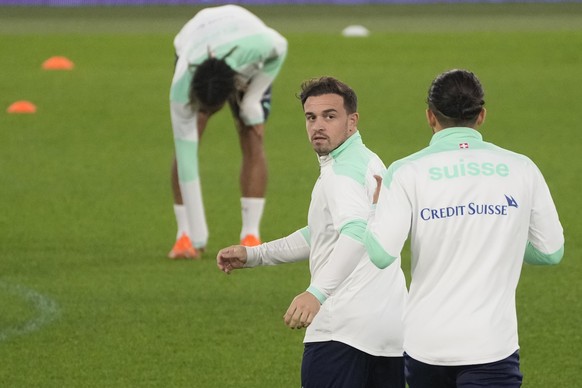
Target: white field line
pixel 47 310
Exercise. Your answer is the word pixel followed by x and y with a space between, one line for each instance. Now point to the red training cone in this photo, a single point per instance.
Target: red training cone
pixel 22 107
pixel 58 63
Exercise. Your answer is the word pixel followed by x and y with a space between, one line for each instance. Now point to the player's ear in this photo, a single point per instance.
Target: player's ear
pixel 431 118
pixel 353 121
pixel 481 117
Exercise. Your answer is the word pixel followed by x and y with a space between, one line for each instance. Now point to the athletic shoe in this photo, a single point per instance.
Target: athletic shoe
pixel 250 240
pixel 183 249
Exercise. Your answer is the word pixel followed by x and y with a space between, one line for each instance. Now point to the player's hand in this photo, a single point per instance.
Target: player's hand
pixel 377 191
pixel 231 258
pixel 302 310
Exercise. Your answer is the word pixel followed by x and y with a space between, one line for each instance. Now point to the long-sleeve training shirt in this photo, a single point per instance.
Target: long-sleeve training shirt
pixel 259 53
pixel 474 212
pixel 362 305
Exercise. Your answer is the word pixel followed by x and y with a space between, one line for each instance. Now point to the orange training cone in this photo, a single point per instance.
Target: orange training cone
pixel 22 107
pixel 58 63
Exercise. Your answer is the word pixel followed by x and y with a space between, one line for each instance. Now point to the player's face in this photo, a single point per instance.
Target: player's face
pixel 327 122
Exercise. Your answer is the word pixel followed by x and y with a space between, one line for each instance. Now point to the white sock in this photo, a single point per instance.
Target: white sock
pixel 252 212
pixel 181 220
pixel 194 209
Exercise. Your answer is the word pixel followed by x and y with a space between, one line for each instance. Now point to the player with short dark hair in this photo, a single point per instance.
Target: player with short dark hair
pixel 329 85
pixel 351 309
pixel 475 212
pixel 456 99
pixel 223 54
pixel 213 82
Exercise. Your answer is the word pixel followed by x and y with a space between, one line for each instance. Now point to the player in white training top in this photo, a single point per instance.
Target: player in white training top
pixel 223 54
pixel 352 310
pixel 474 212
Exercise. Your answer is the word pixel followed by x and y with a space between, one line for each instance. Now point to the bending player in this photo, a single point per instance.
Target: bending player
pixel 224 54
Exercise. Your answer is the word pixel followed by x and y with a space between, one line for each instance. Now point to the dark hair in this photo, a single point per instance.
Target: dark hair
pixel 213 82
pixel 329 85
pixel 456 98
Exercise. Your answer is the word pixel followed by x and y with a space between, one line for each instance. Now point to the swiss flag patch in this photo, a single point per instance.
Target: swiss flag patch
pixel 463 145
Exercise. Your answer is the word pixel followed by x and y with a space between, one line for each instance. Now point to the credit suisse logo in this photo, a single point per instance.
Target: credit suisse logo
pixel 500 209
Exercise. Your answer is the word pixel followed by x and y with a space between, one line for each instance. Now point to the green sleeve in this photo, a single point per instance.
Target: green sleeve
pixel 378 255
pixel 535 257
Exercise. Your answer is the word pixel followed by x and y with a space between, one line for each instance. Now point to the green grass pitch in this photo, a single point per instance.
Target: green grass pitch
pixel 87 298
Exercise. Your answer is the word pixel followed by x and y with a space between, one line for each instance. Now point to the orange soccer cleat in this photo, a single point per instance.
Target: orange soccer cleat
pixel 250 240
pixel 183 249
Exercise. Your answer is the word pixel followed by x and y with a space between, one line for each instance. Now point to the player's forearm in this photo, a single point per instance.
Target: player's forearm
pixel 388 224
pixel 290 249
pixel 347 254
pixel 184 121
pixel 251 107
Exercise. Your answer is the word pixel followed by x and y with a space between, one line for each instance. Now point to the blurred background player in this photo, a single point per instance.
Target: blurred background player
pixel 224 54
pixel 352 311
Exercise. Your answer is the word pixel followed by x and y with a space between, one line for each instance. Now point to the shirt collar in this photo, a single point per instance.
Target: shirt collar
pixel 455 134
pixel 356 138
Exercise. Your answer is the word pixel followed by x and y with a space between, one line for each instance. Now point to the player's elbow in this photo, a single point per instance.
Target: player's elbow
pixel 536 257
pixel 382 261
pixel 379 257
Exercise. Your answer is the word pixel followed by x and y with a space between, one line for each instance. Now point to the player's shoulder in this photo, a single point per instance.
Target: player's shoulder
pixel 512 155
pixel 408 161
pixel 356 162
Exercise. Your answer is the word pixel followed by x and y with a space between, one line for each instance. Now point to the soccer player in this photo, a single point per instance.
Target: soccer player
pixel 352 310
pixel 224 54
pixel 474 212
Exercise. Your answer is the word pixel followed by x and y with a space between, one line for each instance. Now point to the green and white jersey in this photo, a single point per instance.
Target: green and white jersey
pixel 259 54
pixel 362 306
pixel 474 211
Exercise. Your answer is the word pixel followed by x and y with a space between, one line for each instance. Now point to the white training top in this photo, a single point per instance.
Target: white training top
pixel 362 305
pixel 471 208
pixel 259 54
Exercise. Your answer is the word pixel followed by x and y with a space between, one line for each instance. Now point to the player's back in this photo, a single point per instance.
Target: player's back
pixel 471 204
